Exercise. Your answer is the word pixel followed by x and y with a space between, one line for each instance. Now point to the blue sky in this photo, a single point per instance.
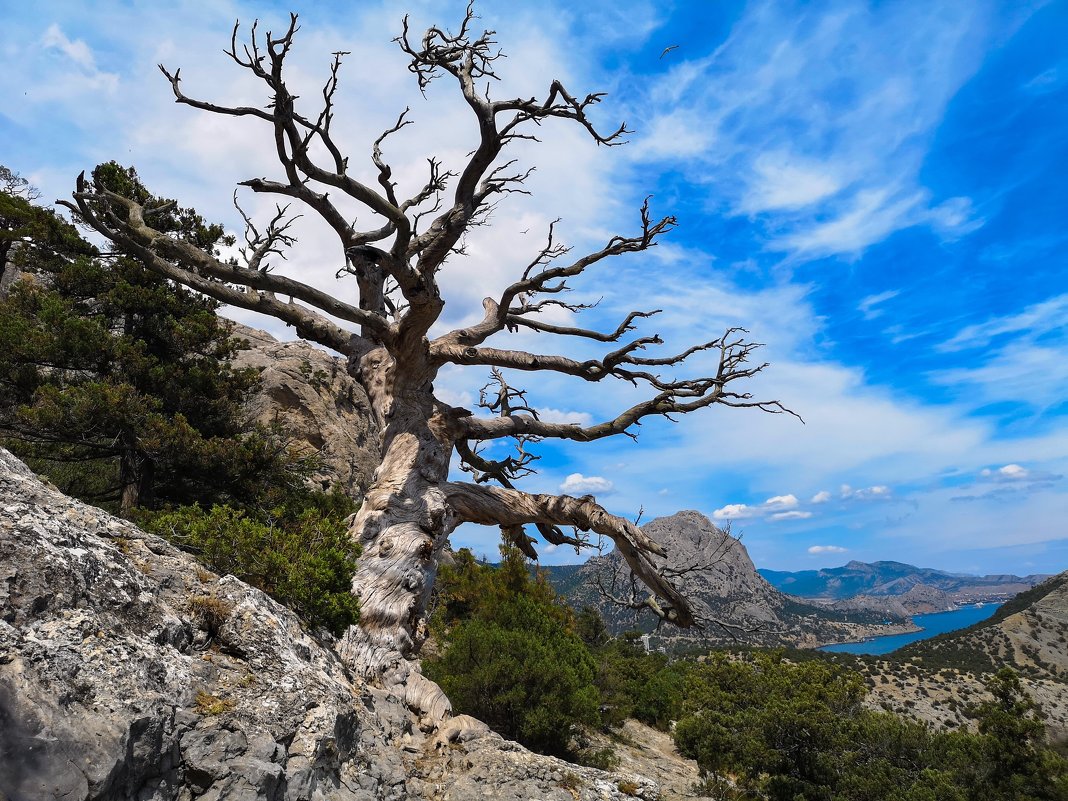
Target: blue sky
pixel 876 190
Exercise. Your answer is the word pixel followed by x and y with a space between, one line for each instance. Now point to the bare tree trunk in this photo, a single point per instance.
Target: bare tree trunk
pixel 129 478
pixel 403 526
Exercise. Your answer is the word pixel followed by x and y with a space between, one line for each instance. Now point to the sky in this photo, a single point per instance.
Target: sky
pixel 876 191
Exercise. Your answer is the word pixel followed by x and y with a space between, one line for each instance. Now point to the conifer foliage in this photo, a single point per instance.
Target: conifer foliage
pixel 114 381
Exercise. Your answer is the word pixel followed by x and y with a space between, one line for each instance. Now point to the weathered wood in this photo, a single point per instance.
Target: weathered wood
pixel 411 508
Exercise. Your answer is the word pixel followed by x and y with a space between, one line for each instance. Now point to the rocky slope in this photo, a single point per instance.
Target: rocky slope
pixel 318 405
pixel 716 572
pixel 127 671
pixel 935 680
pixel 920 584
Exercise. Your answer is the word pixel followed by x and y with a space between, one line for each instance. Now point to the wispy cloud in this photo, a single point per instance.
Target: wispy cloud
pixel 796 514
pixel 80 55
pixel 806 121
pixel 867 306
pixel 1020 358
pixel 879 492
pixel 1035 320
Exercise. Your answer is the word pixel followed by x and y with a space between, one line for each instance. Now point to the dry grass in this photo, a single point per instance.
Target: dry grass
pixel 208 704
pixel 209 613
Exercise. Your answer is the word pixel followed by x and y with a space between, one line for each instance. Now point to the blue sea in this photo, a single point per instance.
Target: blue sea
pixel 935 623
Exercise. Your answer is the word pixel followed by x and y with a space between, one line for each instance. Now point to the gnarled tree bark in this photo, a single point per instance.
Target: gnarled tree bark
pixel 412 507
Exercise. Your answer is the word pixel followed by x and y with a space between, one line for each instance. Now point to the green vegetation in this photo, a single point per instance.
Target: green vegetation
pixel 635 684
pixel 298 551
pixel 514 655
pixel 116 383
pixel 762 726
pixel 511 656
pixel 973 648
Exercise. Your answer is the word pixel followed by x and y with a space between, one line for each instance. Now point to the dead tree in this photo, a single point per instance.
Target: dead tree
pixel 412 506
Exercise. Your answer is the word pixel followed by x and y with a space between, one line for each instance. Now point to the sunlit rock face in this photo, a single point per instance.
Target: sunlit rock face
pixel 318 405
pixel 128 671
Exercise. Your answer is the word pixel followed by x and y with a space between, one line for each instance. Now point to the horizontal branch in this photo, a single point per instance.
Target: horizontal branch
pixel 198 270
pixel 541 277
pixel 500 506
pixel 518 319
pixel 672 396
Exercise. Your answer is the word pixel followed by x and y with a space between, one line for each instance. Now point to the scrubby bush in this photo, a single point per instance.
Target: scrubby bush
pixel 298 552
pixel 787 731
pixel 511 656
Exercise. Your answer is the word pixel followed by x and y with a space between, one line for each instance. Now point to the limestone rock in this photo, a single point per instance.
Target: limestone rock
pixel 128 671
pixel 319 406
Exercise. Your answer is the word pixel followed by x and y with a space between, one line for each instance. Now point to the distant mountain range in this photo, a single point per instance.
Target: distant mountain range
pixel 898 580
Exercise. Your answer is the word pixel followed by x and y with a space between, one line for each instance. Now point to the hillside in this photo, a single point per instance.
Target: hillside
pixel 921 589
pixel 1029 632
pixel 935 680
pixel 736 603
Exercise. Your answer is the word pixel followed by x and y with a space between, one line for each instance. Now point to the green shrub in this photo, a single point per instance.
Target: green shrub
pixel 299 552
pixel 511 656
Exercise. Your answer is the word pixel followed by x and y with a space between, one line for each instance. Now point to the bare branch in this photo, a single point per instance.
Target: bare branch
pixel 272 241
pixel 508 507
pixel 673 396
pixel 541 277
pixel 122 220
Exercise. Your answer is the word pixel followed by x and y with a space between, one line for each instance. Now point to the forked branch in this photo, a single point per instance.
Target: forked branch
pixel 501 506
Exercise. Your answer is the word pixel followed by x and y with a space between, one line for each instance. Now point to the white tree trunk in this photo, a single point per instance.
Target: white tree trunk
pixel 403 526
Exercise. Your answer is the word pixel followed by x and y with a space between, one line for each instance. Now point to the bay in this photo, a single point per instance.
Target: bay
pixel 932 624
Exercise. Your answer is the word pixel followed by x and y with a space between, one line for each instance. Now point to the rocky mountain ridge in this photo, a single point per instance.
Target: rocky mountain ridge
pixel 128 671
pixel 918 589
pixel 737 604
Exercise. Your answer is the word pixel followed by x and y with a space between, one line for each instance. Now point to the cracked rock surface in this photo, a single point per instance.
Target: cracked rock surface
pixel 128 671
pixel 320 408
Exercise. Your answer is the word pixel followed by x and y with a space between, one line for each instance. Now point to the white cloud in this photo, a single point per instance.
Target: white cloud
pixel 550 415
pixel 820 122
pixel 781 502
pixel 821 497
pixel 827 549
pixel 734 511
pixel 880 491
pixel 868 304
pixel 773 508
pixel 784 182
pixel 78 52
pixel 1010 472
pixel 794 515
pixel 1030 375
pixel 578 484
pixel 1038 319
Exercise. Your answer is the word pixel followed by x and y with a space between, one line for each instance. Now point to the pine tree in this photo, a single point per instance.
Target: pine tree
pixel 114 381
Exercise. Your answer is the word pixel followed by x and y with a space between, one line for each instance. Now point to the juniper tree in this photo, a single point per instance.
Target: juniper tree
pixel 114 381
pixel 397 263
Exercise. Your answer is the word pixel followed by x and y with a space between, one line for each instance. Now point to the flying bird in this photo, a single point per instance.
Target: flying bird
pixel 668 49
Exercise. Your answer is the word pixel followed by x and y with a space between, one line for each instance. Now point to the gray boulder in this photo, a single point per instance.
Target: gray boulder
pixel 319 406
pixel 128 671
